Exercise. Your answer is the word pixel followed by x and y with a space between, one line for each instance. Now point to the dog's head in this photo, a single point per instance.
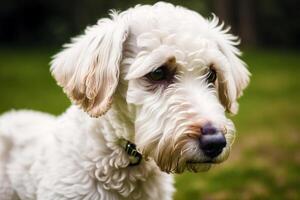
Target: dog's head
pixel 177 73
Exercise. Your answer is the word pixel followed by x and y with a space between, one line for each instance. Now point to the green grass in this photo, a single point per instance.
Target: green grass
pixel 25 81
pixel 265 160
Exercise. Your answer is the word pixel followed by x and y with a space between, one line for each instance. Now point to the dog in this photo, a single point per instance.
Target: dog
pixel 150 89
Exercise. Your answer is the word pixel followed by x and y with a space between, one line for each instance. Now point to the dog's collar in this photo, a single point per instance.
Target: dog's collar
pixel 130 148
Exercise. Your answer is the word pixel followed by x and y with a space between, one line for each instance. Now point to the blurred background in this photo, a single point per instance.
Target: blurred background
pixel 265 160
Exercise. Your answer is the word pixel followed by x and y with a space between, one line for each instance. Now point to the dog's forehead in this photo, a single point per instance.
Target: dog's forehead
pixel 154 48
pixel 157 34
pixel 184 31
pixel 168 18
pixel 188 49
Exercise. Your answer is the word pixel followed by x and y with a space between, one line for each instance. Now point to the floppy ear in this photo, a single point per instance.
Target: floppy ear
pixel 230 89
pixel 231 86
pixel 88 67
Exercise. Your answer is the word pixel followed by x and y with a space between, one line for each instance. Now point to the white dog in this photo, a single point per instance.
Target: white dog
pixel 151 87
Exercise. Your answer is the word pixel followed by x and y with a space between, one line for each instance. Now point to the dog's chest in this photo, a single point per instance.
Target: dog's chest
pixel 103 181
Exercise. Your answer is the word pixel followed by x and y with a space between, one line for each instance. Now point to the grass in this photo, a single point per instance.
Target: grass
pixel 25 81
pixel 265 160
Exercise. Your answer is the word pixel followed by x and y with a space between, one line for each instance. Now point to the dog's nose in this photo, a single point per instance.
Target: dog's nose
pixel 212 141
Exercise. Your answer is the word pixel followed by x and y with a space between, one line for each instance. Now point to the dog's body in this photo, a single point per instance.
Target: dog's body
pixel 50 158
pixel 146 75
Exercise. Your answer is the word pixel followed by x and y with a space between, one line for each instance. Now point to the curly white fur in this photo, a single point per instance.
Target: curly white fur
pixel 78 154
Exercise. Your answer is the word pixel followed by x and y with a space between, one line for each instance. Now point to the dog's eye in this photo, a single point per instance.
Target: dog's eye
pixel 211 76
pixel 160 74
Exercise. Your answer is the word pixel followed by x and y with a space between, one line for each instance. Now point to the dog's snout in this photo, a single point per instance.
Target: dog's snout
pixel 208 129
pixel 212 141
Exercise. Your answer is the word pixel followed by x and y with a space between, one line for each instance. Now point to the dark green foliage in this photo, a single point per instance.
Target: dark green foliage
pixel 53 22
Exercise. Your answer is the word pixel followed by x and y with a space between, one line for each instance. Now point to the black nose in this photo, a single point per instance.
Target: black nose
pixel 212 141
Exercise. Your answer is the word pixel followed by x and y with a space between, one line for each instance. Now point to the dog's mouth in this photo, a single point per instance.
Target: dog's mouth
pixel 196 166
pixel 215 160
pixel 193 162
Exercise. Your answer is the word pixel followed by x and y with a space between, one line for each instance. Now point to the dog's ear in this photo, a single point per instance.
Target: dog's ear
pixel 88 67
pixel 231 85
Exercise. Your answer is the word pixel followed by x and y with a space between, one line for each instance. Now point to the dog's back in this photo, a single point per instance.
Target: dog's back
pixel 19 130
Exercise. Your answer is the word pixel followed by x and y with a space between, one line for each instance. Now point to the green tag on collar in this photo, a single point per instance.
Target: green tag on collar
pixel 134 156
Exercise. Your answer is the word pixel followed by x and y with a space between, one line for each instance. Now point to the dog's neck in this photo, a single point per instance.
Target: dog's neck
pixel 121 109
pixel 120 112
pixel 120 120
pixel 108 158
